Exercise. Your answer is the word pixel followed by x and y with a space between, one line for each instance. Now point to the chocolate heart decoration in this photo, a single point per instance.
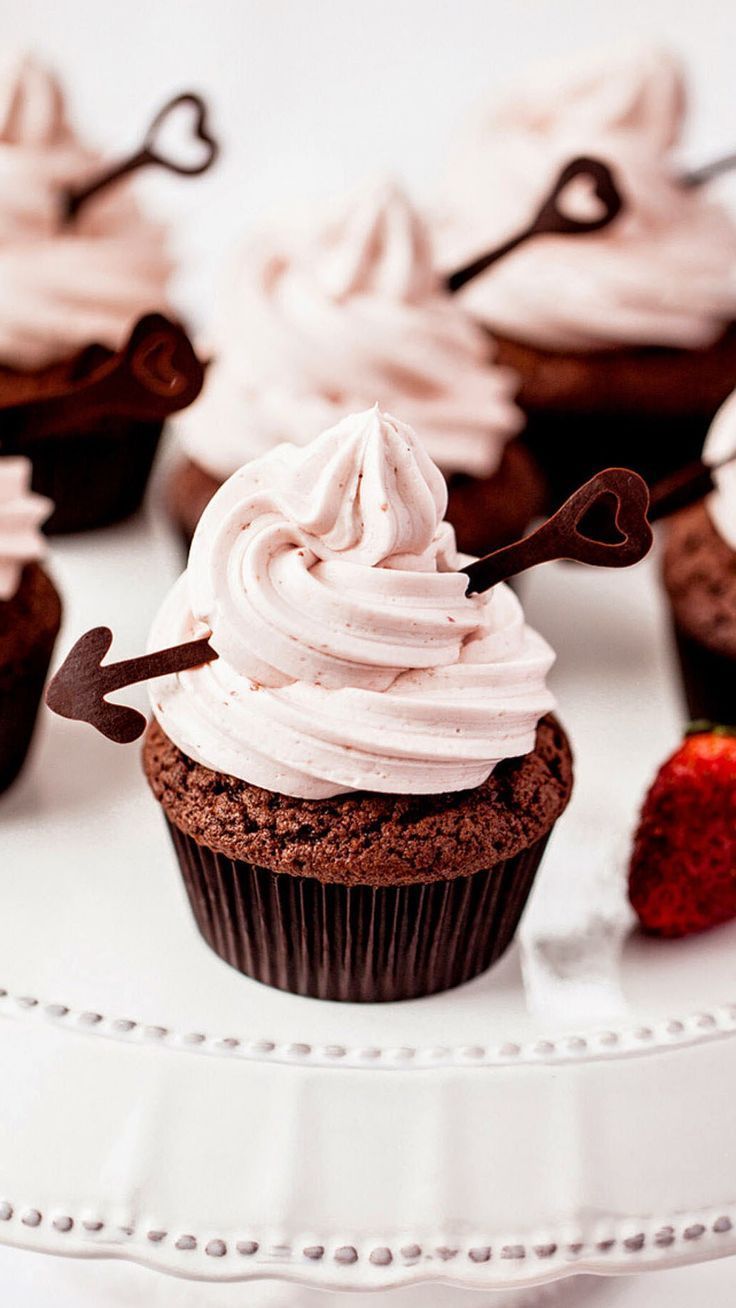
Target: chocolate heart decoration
pixel 194 118
pixel 155 374
pixel 152 153
pixel 618 498
pixel 551 219
pixel 156 363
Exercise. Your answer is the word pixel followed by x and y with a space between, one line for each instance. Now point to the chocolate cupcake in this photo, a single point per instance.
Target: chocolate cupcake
pixel 323 318
pixel 699 570
pixel 624 340
pixel 361 785
pixel 30 614
pixel 71 295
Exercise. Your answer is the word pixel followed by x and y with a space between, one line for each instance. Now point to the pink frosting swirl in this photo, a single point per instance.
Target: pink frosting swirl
pixel 21 515
pixel 720 449
pixel 350 656
pixel 64 287
pixel 663 274
pixel 326 317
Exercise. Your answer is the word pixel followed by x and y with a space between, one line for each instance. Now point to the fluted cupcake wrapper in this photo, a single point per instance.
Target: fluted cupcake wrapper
pixel 709 680
pixel 95 475
pixel 362 944
pixel 21 687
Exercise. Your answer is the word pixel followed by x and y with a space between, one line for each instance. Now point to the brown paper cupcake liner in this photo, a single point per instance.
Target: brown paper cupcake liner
pixel 708 680
pixel 21 687
pixel 361 944
pixel 96 475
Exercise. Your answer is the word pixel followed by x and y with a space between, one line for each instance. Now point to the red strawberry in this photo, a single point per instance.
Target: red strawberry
pixel 682 876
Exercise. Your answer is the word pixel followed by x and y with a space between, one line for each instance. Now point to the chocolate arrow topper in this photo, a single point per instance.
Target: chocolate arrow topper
pixel 685 487
pixel 79 688
pixel 155 373
pixel 187 111
pixel 603 523
pixel 551 219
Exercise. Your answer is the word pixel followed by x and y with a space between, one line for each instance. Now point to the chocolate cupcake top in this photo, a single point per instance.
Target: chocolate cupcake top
pixel 21 515
pixel 663 274
pixel 350 656
pixel 340 311
pixel 63 286
pixel 719 452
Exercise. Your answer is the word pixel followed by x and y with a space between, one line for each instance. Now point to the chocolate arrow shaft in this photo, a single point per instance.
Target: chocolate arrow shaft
pixel 685 487
pixel 562 538
pixel 706 172
pixel 550 219
pixel 680 490
pixel 163 663
pixel 75 199
pixel 462 276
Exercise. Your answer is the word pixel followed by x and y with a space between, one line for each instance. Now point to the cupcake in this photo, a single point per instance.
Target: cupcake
pixel 337 313
pixel 624 340
pixel 699 569
pixel 30 614
pixel 360 787
pixel 70 294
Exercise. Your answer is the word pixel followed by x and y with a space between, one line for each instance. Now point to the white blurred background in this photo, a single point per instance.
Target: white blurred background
pixel 309 96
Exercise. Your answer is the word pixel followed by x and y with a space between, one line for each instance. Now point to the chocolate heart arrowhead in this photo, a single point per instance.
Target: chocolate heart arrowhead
pixel 183 123
pixel 161 359
pixel 551 217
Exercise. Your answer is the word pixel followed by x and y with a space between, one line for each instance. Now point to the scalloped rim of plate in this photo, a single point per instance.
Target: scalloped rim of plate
pixel 624 1247
pixel 610 1043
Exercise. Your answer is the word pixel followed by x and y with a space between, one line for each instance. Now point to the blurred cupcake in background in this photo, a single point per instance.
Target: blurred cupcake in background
pixel 624 339
pixel 70 294
pixel 336 313
pixel 30 614
pixel 699 570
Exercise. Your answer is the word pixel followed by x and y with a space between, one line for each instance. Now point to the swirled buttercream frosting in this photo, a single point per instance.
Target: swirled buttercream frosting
pixel 350 656
pixel 720 449
pixel 63 286
pixel 21 515
pixel 333 314
pixel 664 273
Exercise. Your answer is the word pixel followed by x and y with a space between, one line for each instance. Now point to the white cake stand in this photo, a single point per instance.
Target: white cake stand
pixel 572 1111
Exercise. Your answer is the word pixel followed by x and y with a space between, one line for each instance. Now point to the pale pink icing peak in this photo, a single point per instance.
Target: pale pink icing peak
pixel 64 286
pixel 32 109
pixel 664 273
pixel 350 656
pixel 339 311
pixel 21 514
pixel 720 448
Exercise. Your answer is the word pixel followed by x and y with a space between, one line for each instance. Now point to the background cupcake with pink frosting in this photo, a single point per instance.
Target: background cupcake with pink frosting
pixel 336 311
pixel 72 288
pixel 624 340
pixel 699 568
